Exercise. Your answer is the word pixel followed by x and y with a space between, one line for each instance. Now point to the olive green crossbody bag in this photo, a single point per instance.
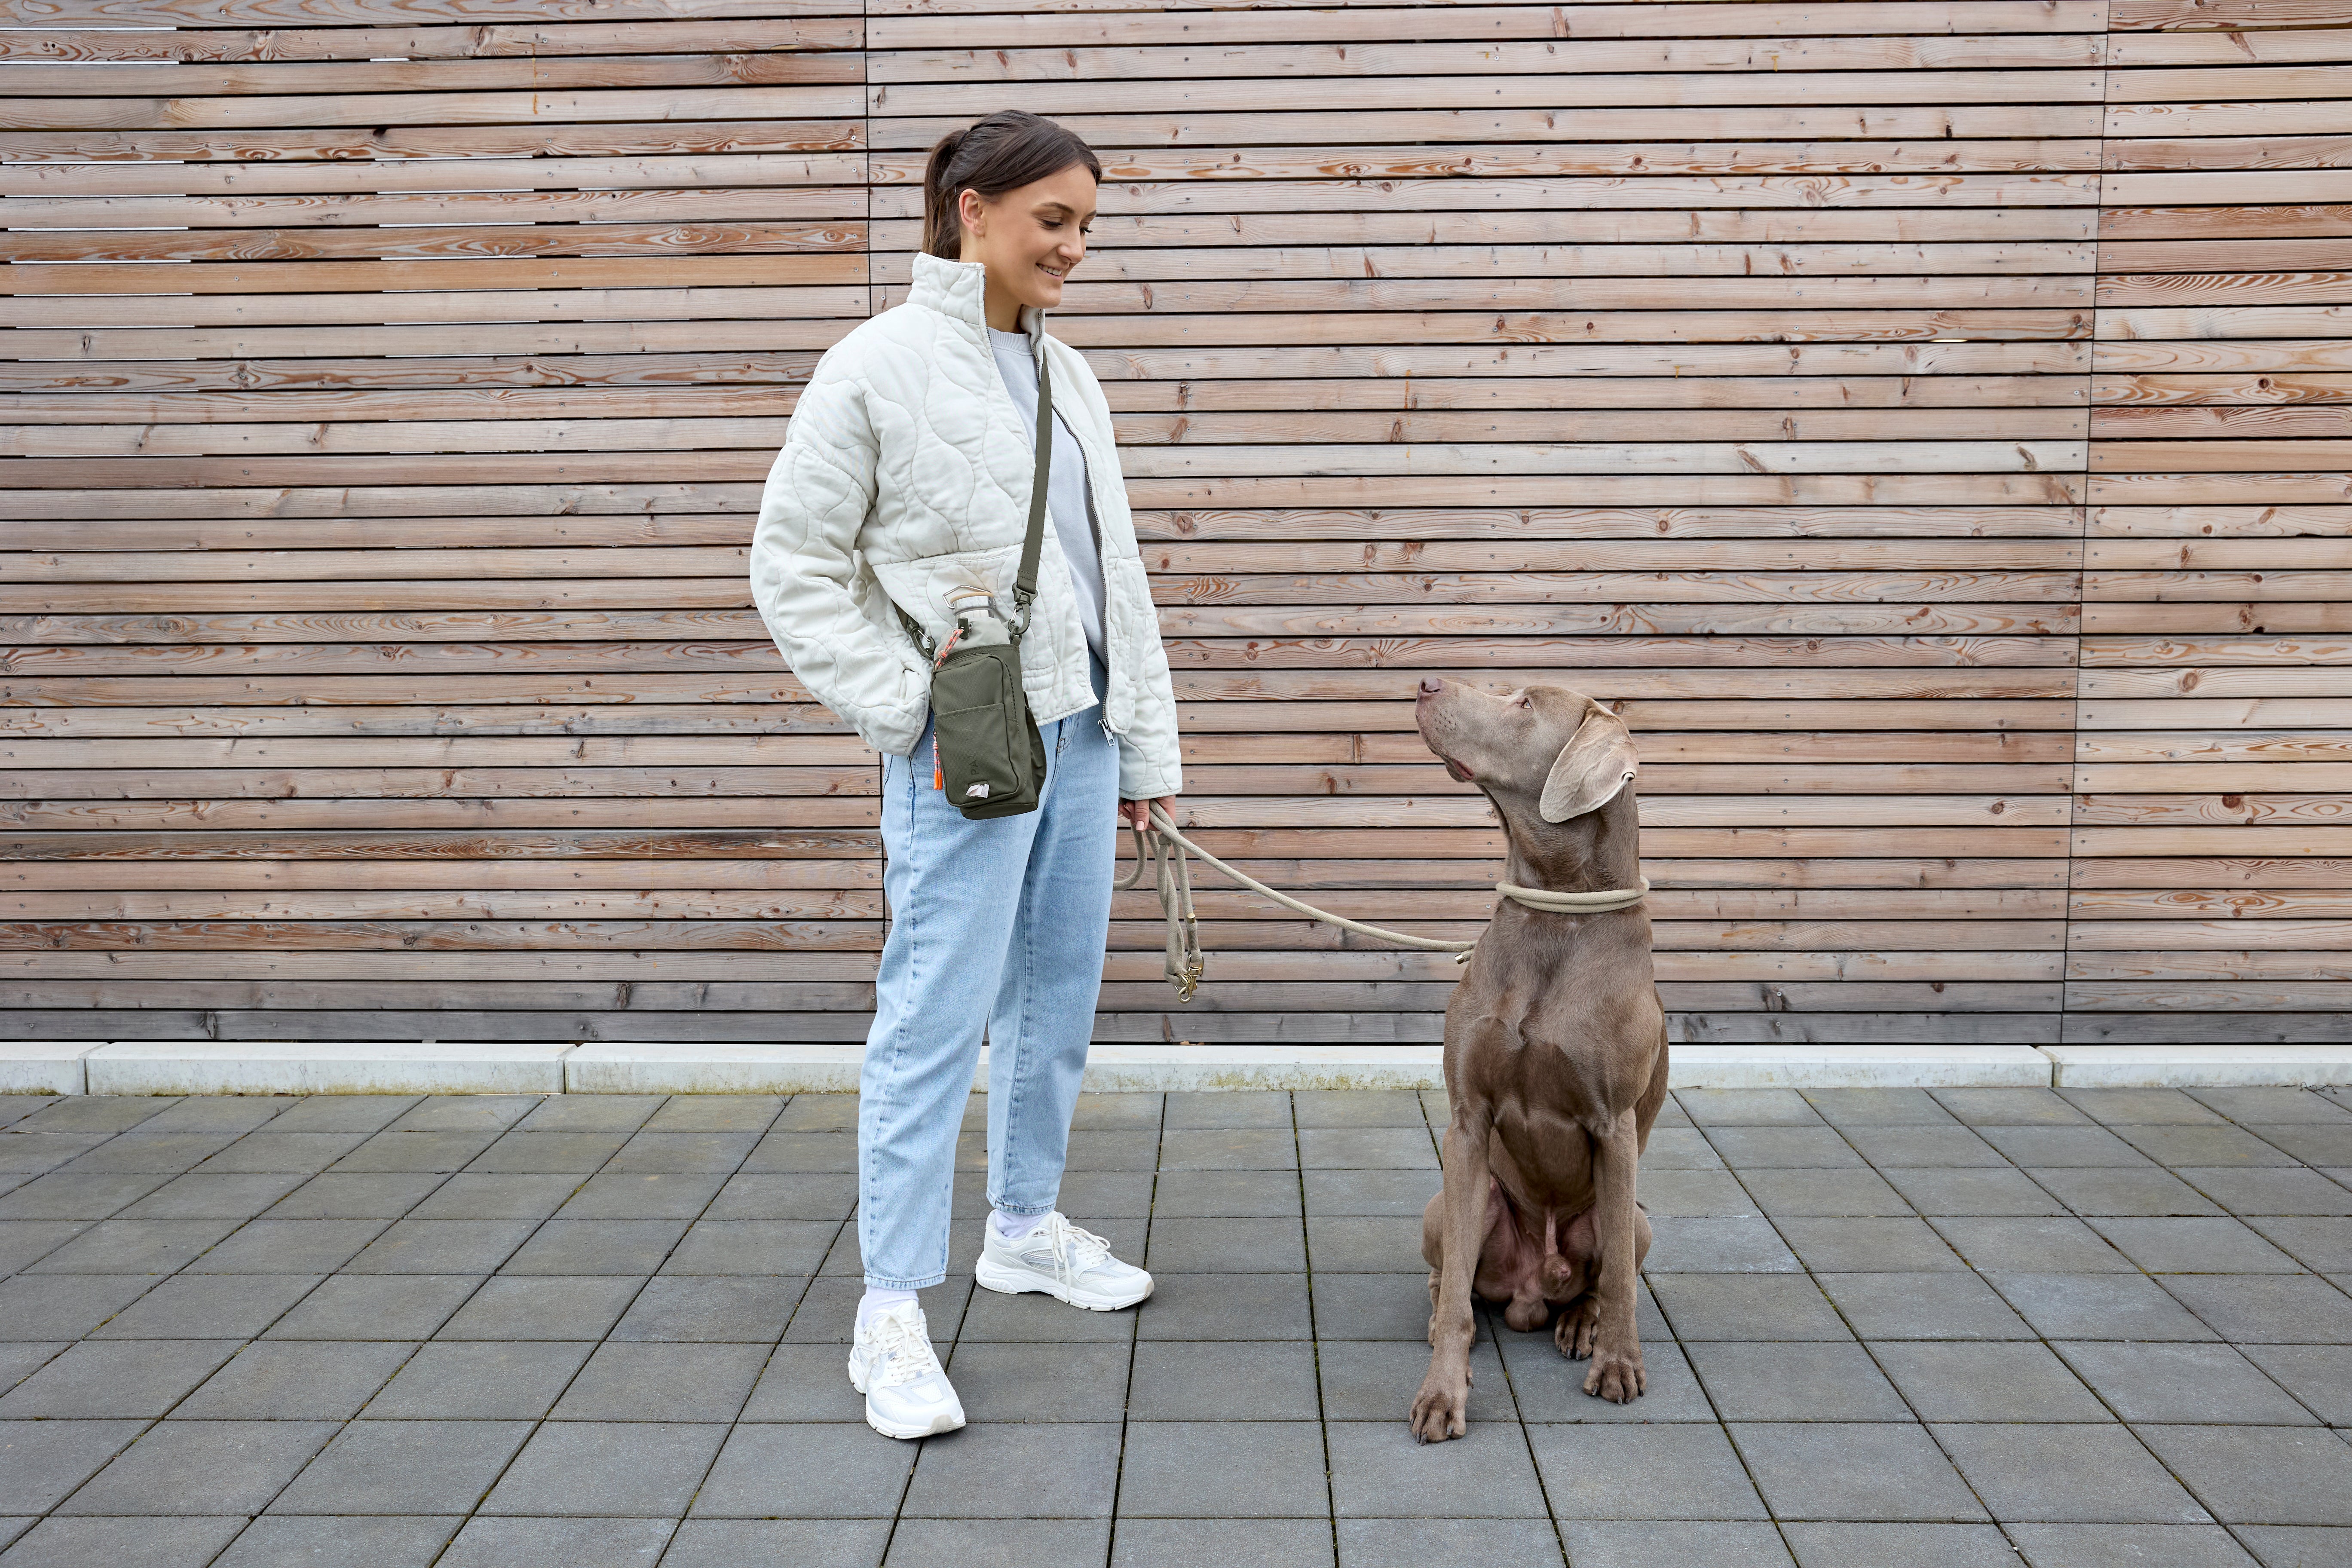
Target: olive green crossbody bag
pixel 986 749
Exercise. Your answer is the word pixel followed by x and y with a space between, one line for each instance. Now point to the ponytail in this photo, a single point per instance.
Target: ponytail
pixel 1010 149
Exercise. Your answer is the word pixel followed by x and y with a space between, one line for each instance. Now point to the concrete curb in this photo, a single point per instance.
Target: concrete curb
pixel 664 1067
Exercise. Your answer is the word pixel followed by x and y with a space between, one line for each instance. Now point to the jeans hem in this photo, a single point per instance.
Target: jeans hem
pixel 873 1283
pixel 1024 1210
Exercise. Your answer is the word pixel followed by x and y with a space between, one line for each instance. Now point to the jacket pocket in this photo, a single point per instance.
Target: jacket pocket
pixel 920 586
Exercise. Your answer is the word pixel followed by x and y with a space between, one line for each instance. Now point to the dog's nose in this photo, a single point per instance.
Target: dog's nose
pixel 1431 686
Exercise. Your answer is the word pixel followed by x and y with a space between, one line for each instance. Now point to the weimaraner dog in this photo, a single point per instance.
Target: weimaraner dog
pixel 1555 1052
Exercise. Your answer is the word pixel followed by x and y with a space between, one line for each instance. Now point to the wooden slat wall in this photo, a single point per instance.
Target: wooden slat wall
pixel 1923 419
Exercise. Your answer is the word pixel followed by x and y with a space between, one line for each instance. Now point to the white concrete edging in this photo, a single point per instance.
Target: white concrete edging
pixel 327 1067
pixel 43 1067
pixel 2193 1066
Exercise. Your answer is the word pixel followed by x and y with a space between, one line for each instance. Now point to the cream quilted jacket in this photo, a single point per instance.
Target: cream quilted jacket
pixel 905 473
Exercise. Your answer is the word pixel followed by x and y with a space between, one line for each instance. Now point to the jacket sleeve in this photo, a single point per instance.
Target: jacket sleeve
pixel 805 572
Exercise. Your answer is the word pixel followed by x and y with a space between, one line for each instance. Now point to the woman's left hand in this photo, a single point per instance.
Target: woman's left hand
pixel 1138 813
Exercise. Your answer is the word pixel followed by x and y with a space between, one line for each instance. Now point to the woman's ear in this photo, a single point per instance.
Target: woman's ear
pixel 1597 762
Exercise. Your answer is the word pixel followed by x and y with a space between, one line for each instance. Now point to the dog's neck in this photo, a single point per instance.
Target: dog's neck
pixel 1601 850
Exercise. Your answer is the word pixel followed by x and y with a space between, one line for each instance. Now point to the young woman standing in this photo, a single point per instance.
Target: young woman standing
pixel 905 480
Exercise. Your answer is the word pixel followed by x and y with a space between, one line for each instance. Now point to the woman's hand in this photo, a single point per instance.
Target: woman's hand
pixel 1138 813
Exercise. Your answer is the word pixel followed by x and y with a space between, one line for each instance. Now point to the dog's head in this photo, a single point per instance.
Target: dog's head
pixel 1542 754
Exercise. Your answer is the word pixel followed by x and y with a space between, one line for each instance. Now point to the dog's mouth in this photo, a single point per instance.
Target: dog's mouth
pixel 1460 773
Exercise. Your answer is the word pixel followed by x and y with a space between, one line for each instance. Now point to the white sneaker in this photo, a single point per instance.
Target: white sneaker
pixel 892 1363
pixel 1065 1262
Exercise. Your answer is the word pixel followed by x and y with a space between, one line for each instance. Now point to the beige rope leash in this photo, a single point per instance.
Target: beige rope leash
pixel 1164 849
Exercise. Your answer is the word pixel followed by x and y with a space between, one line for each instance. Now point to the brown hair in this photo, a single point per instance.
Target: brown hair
pixel 1010 149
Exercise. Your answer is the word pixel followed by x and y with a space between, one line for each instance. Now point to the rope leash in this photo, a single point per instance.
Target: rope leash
pixel 1163 850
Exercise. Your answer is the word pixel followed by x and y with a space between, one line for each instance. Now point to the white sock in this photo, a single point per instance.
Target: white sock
pixel 876 1300
pixel 1013 1226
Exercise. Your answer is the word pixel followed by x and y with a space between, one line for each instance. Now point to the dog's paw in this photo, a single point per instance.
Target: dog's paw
pixel 1616 1377
pixel 1442 1408
pixel 1577 1325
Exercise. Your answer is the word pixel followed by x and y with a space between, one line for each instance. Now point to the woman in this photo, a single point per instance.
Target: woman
pixel 905 478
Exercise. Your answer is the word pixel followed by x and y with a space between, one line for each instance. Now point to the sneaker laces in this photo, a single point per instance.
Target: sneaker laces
pixel 1076 1250
pixel 904 1349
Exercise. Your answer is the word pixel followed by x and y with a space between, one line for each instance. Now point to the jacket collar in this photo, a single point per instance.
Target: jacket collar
pixel 958 289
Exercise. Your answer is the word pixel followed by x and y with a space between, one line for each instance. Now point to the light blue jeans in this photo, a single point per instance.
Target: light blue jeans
pixel 1001 923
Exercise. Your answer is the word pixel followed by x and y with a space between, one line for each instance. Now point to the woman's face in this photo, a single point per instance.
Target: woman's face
pixel 1031 236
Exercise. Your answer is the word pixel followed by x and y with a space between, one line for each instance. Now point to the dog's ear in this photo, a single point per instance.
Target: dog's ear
pixel 1596 763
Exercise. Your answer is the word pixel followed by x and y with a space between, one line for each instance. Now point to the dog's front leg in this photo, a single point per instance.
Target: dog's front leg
pixel 1616 1373
pixel 1441 1409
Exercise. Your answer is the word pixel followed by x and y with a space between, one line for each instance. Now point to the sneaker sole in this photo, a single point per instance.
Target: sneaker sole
pixel 944 1424
pixel 1020 1282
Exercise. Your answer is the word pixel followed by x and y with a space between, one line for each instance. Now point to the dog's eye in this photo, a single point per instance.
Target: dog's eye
pixel 1527 702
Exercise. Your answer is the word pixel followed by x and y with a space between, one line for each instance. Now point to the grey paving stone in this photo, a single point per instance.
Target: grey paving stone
pixel 781 1196
pixel 2030 1244
pixel 65 1306
pixel 2189 1246
pixel 2082 1147
pixel 2182 1383
pixel 1713 1108
pixel 1364 1245
pixel 195 1196
pixel 2060 1474
pixel 2271 1105
pixel 442 1246
pixel 1362 1380
pixel 294 1380
pixel 336 1195
pixel 1788 1148
pixel 809 1383
pixel 1951 1148
pixel 168 1153
pixel 711 1309
pixel 2203 1146
pixel 190 1542
pixel 1548 1386
pixel 803 1151
pixel 1224 1109
pixel 2267 1309
pixel 1379 1471
pixel 99 1380
pixel 806 1470
pixel 218 1113
pixel 1837 1545
pixel 1231 1381
pixel 1090 1196
pixel 635 1196
pixel 95 1113
pixel 1801 1382
pixel 2322 1242
pixel 1358 1108
pixel 1264 1195
pixel 1747 1307
pixel 1068 1470
pixel 1854 1470
pixel 21 1361
pixel 1182 1245
pixel 2318 1376
pixel 2299 1546
pixel 1669 1543
pixel 1680 1149
pixel 1367 1149
pixel 1106 1112
pixel 416 1153
pixel 24 1241
pixel 1682 1471
pixel 1801 1194
pixel 2002 1380
pixel 2142 1105
pixel 1034 1381
pixel 2260 1474
pixel 391 1307
pixel 2099 1306
pixel 1729 1243
pixel 794 1246
pixel 1346 1307
pixel 134 1247
pixel 74 1194
pixel 1931 1306
pixel 1868 1246
pixel 1208 1470
pixel 2007 1107
pixel 1229 1149
pixel 1233 1307
pixel 765 1543
pixel 342 1112
pixel 1243 1542
pixel 493 1380
pixel 636 1470
pixel 1878 1107
pixel 14 1108
pixel 272 1150
pixel 2093 1190
pixel 289 1247
pixel 404 1467
pixel 208 1306
pixel 22 1154
pixel 469 1196
pixel 596 1247
pixel 466 1113
pixel 742 1112
pixel 576 1542
pixel 228 1466
pixel 2328 1144
pixel 41 1461
pixel 662 1382
pixel 998 1542
pixel 1933 1190
pixel 1032 1318
pixel 817 1112
pixel 543 1306
pixel 277 1541
pixel 1683 1194
pixel 2129 1546
pixel 707 1153
pixel 548 1152
pixel 596 1112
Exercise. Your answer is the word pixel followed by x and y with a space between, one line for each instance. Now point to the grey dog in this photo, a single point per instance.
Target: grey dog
pixel 1555 1052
